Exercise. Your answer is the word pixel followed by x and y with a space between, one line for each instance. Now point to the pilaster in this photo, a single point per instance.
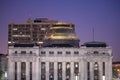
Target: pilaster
pixel 47 70
pixel 55 70
pixel 18 70
pixel 64 71
pixel 72 70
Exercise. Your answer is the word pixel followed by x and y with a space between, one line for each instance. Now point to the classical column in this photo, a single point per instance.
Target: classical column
pixel 72 70
pixel 37 69
pixel 107 70
pixel 18 70
pixel 27 70
pixel 47 70
pixel 85 71
pixel 82 69
pixel 11 70
pixel 110 69
pixel 55 70
pixel 91 71
pixel 63 71
pixel 33 70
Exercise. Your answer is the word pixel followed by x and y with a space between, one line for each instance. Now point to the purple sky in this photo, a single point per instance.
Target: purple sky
pixel 103 15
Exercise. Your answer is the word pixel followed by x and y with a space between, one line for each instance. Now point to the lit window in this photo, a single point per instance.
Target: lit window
pixel 15 29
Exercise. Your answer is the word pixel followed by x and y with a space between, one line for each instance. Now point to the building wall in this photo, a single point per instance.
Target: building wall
pixel 42 58
pixel 33 31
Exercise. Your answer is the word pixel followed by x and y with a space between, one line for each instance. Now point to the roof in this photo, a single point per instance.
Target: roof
pixel 95 44
pixel 24 44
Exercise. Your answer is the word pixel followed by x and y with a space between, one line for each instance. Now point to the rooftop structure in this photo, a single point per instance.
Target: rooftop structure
pixel 61 35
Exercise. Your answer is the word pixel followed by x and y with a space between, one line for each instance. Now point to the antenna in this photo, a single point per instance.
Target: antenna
pixel 93 33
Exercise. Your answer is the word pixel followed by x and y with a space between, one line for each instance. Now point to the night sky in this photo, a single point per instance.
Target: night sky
pixel 102 15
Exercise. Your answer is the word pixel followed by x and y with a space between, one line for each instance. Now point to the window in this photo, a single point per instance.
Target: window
pixel 96 71
pixel 43 52
pixel 76 70
pixel 30 52
pixel 103 68
pixel 88 70
pixel 96 52
pixel 51 52
pixel 59 52
pixel 68 71
pixel 76 52
pixel 30 70
pixel 23 71
pixel 43 71
pixel 67 52
pixel 59 68
pixel 51 71
pixel 15 52
pixel 23 52
pixel 15 70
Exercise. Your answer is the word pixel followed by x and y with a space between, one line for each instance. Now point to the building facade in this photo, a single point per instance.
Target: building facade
pixel 60 58
pixel 32 31
pixel 84 63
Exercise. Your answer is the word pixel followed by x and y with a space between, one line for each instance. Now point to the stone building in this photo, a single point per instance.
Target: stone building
pixel 60 58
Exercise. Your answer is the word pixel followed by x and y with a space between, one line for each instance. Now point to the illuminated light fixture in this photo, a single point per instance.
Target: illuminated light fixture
pixel 61 23
pixel 5 74
pixel 103 77
pixel 9 42
pixel 76 77
pixel 40 42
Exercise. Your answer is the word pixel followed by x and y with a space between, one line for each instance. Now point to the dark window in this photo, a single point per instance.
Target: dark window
pixel 76 52
pixel 51 71
pixel 43 71
pixel 96 52
pixel 88 70
pixel 43 52
pixel 103 68
pixel 15 70
pixel 23 52
pixel 23 71
pixel 30 70
pixel 15 52
pixel 51 52
pixel 67 52
pixel 59 52
pixel 30 52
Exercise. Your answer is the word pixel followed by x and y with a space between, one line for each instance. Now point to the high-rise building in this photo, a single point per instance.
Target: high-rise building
pixel 60 58
pixel 32 31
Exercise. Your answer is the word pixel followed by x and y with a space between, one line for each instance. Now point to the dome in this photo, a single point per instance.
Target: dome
pixel 95 44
